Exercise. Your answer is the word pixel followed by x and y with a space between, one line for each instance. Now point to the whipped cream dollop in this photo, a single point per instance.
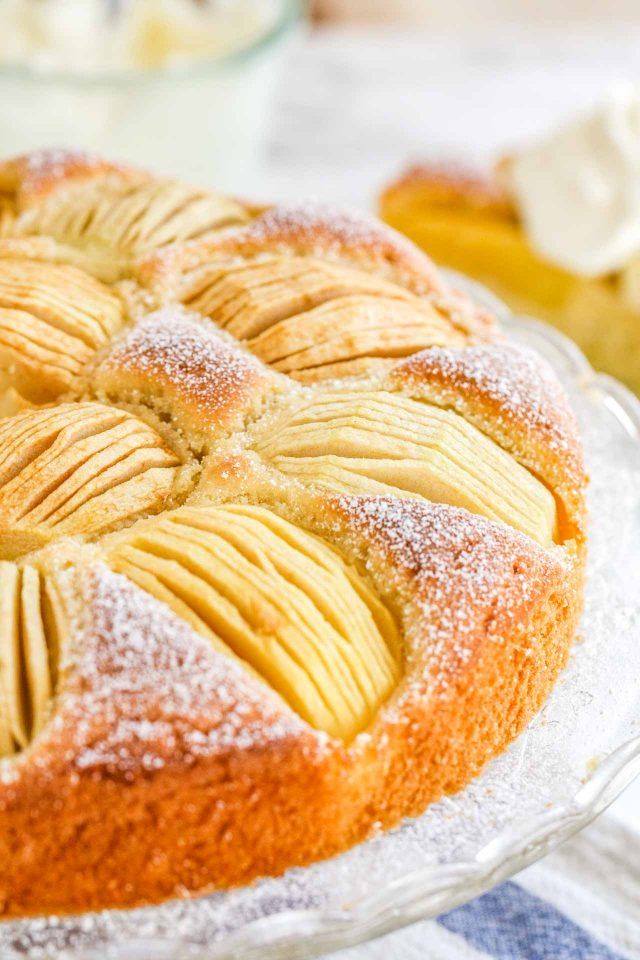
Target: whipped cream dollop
pixel 578 191
pixel 97 36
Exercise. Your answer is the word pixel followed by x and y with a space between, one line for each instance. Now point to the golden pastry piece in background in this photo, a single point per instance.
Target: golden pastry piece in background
pixel 470 223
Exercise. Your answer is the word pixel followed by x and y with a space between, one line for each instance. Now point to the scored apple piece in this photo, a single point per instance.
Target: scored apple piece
pixel 352 336
pixel 278 598
pixel 78 468
pixel 104 222
pixel 31 627
pixel 385 443
pixel 52 320
pixel 313 319
pixel 251 296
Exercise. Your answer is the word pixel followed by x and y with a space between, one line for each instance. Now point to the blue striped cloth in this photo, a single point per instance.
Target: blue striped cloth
pixel 582 902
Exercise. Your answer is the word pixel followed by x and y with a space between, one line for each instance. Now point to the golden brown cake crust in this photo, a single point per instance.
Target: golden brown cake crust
pixel 174 758
pixel 193 372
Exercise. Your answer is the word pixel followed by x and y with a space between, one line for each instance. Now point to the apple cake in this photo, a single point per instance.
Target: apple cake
pixel 292 538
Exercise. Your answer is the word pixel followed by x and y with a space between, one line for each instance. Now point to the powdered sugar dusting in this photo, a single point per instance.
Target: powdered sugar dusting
pixel 150 689
pixel 204 364
pixel 332 232
pixel 57 161
pixel 335 228
pixel 348 226
pixel 464 577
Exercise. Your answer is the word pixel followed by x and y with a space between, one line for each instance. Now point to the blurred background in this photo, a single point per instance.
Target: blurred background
pixel 279 96
pixel 376 85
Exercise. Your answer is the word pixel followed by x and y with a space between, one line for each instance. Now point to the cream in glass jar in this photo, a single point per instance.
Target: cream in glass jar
pixel 182 86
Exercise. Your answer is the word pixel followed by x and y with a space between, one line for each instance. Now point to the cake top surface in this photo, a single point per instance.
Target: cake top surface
pixel 215 418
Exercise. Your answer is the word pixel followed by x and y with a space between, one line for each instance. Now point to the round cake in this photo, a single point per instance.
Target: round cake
pixel 292 536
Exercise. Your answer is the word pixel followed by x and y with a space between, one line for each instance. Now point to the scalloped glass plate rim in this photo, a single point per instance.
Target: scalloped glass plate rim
pixel 427 892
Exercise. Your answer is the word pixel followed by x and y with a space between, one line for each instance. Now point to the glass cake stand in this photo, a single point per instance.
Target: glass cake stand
pixel 574 759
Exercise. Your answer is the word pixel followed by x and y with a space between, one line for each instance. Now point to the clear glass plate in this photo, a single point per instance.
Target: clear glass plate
pixel 574 759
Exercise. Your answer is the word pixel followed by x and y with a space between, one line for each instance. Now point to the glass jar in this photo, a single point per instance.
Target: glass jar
pixel 203 122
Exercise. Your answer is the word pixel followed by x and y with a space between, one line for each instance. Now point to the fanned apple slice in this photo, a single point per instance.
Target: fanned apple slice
pixel 31 623
pixel 78 468
pixel 385 443
pixel 53 318
pixel 278 598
